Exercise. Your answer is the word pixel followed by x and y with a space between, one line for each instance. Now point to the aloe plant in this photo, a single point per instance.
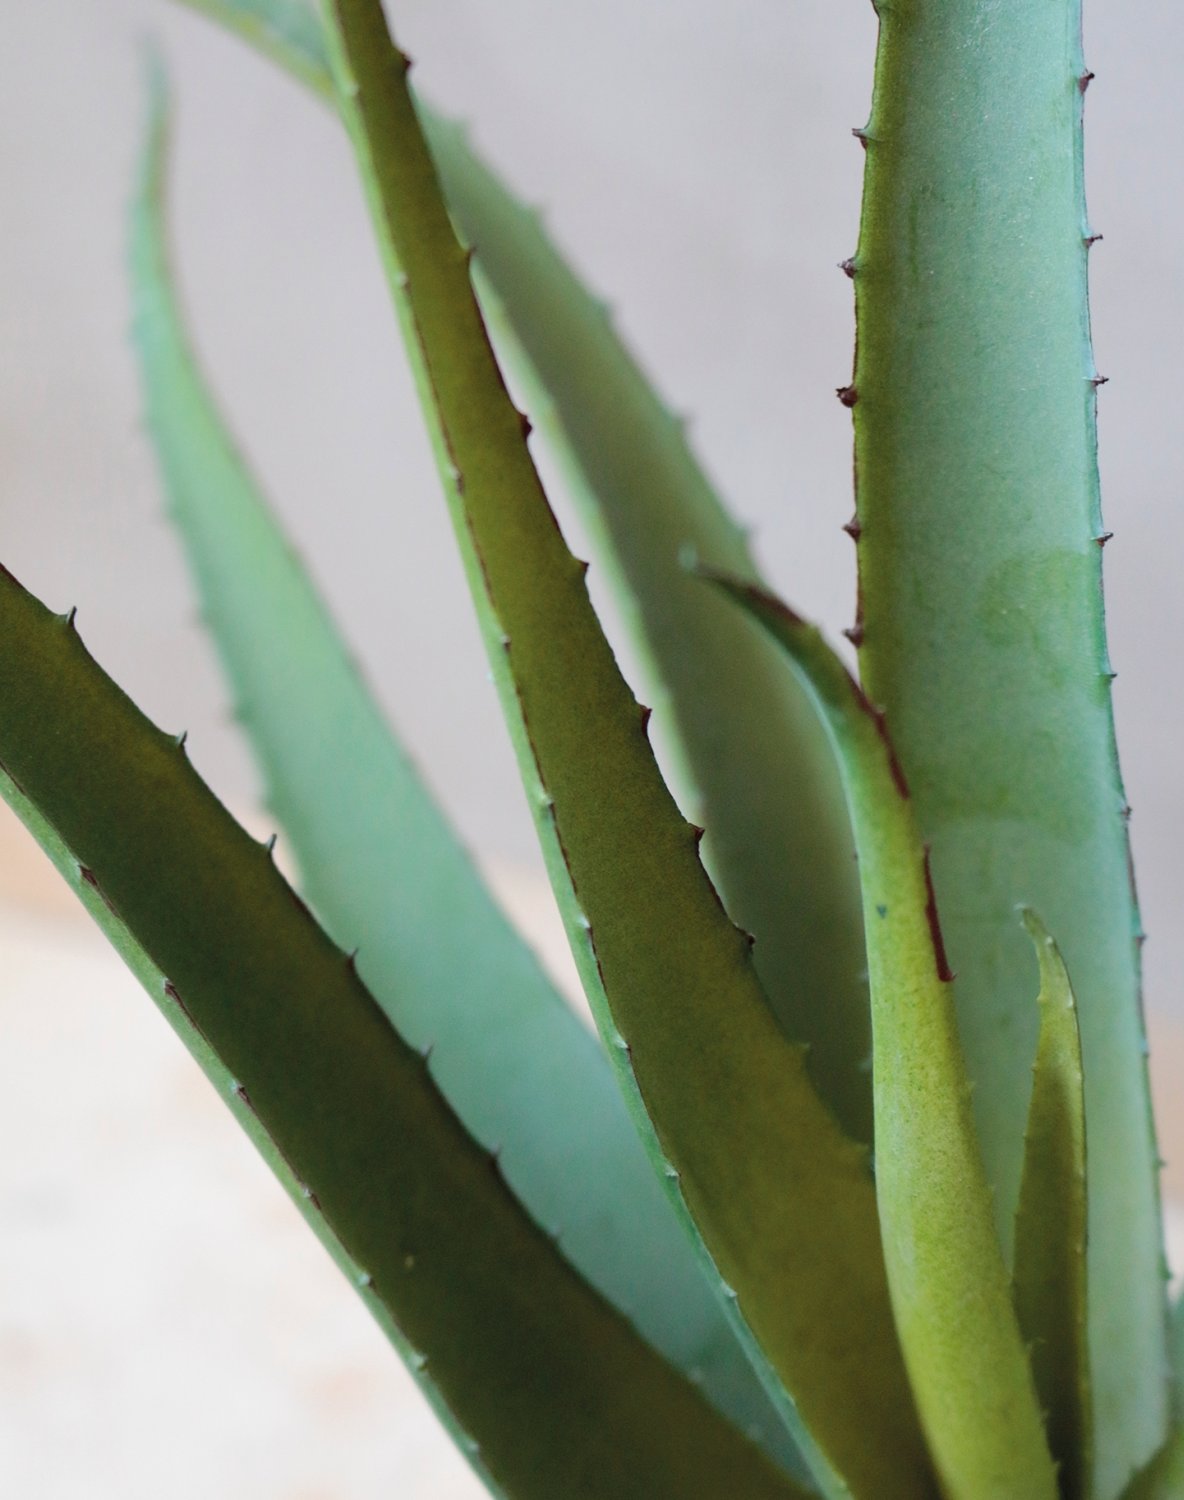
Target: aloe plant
pixel 709 1254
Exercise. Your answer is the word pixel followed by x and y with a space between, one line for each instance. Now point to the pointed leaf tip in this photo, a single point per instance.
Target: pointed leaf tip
pixel 1050 1269
pixel 961 1339
pixel 662 963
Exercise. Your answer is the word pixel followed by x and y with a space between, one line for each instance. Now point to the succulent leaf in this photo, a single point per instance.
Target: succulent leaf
pixel 777 845
pixel 1163 1478
pixel 982 617
pixel 949 1286
pixel 387 876
pixel 750 757
pixel 548 1389
pixel 781 1197
pixel 1049 1263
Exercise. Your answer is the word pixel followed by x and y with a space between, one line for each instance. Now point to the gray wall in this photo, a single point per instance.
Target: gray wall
pixel 700 159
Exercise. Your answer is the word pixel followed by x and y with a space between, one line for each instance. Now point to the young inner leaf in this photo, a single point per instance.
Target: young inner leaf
pixel 950 1294
pixel 1049 1265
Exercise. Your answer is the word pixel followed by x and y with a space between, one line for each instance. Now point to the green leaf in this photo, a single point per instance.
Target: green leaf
pixel 781 1197
pixel 549 1390
pixel 388 877
pixel 757 770
pixel 1049 1264
pixel 755 764
pixel 983 630
pixel 949 1286
pixel 1163 1478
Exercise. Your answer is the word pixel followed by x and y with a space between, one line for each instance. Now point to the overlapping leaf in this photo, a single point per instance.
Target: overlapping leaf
pixel 1163 1478
pixel 1049 1263
pixel 549 1390
pixel 982 614
pixel 778 844
pixel 386 874
pixel 949 1287
pixel 782 1200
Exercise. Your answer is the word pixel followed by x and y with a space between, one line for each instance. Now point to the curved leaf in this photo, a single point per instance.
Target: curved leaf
pixel 949 1287
pixel 758 770
pixel 548 1389
pixel 781 1197
pixel 388 877
pixel 778 844
pixel 1049 1265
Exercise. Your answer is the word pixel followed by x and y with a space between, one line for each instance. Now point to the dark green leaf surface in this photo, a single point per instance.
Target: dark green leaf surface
pixel 781 1197
pixel 549 1390
pixel 778 844
pixel 751 756
pixel 949 1287
pixel 1049 1264
pixel 386 874
pixel 983 632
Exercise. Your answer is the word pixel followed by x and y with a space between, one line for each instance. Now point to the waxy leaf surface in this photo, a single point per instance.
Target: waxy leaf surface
pixel 781 1198
pixel 778 845
pixel 387 876
pixel 983 635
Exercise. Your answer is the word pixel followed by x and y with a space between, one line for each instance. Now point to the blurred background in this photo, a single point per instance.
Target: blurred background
pixel 161 1316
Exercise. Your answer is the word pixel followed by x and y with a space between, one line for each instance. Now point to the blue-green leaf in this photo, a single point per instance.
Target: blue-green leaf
pixel 983 632
pixel 388 877
pixel 781 1198
pixel 778 845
